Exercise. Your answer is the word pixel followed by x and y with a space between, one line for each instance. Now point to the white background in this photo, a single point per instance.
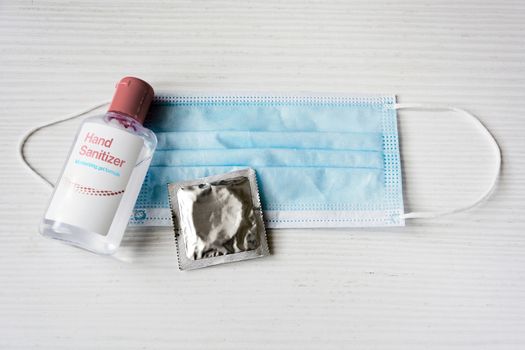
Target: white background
pixel 451 283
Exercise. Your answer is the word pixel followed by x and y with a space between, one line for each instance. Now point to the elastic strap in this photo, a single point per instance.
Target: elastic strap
pixel 490 138
pixel 30 132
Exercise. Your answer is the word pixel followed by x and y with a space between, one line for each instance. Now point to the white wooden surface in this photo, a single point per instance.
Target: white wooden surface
pixel 451 283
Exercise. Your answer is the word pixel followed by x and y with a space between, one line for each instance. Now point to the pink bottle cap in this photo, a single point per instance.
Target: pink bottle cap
pixel 132 97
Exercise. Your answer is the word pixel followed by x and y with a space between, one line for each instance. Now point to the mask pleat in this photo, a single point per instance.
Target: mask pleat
pixel 260 157
pixel 197 140
pixel 253 117
pixel 337 187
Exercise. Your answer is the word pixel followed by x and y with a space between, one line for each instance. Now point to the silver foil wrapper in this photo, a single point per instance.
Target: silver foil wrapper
pixel 218 219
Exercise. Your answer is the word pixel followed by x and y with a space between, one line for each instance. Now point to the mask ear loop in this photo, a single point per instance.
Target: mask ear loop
pixel 30 132
pixel 494 144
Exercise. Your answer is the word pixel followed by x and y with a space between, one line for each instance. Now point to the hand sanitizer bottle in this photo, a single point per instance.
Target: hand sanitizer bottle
pixel 102 177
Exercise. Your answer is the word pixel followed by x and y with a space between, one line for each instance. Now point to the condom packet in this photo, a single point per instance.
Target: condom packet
pixel 217 219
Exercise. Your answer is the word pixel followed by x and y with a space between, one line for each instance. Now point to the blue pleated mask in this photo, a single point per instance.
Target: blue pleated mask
pixel 321 161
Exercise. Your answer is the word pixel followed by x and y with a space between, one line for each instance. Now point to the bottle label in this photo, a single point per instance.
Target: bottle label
pixel 95 177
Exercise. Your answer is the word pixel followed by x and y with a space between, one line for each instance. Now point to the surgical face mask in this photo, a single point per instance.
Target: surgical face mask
pixel 321 161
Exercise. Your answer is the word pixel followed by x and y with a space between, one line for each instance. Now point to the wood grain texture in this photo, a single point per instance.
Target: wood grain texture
pixel 452 283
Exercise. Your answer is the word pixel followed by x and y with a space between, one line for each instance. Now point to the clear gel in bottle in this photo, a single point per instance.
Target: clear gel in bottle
pixel 96 192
